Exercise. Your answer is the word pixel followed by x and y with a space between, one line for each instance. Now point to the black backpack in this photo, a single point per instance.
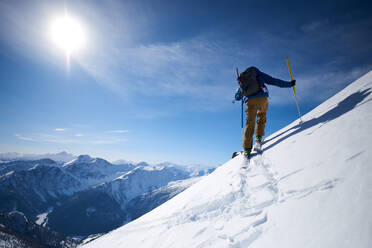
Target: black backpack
pixel 248 81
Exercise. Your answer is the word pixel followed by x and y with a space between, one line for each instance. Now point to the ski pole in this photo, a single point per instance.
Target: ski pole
pixel 294 91
pixel 242 120
pixel 242 109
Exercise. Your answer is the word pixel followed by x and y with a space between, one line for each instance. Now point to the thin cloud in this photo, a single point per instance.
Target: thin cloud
pixel 60 129
pixel 106 141
pixel 75 139
pixel 176 69
pixel 313 26
pixel 117 131
pixel 21 137
pixel 79 135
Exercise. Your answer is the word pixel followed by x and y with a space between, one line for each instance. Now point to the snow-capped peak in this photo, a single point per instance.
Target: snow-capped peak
pixel 84 159
pixel 81 159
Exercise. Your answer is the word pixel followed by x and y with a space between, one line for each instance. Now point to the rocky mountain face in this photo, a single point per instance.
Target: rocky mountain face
pixel 87 212
pixel 33 191
pixel 17 231
pixel 86 195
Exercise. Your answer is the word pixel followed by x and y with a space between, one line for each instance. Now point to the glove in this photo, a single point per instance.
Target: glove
pixel 293 83
pixel 238 94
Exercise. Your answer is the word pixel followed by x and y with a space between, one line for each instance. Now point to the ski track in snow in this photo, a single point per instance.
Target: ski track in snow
pixel 259 188
pixel 253 190
pixel 301 193
pixel 259 192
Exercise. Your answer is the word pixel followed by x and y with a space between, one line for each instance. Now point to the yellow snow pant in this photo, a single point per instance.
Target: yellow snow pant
pixel 255 107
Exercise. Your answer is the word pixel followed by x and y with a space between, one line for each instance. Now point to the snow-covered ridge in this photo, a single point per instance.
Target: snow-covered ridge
pixel 80 159
pixel 310 188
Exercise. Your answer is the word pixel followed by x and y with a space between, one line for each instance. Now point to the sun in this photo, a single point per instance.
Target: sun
pixel 68 34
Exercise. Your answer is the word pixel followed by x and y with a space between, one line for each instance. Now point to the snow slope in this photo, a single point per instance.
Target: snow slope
pixel 311 188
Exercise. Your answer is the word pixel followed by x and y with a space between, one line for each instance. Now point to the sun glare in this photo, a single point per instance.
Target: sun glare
pixel 68 34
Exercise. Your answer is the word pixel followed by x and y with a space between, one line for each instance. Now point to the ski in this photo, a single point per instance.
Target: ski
pixel 236 154
pixel 254 153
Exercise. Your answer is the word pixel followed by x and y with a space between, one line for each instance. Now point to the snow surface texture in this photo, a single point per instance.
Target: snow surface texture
pixel 310 188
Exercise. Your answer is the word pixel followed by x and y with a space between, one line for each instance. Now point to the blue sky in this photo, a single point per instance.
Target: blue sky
pixel 155 79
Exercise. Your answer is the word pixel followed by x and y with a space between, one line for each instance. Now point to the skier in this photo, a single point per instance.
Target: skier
pixel 257 103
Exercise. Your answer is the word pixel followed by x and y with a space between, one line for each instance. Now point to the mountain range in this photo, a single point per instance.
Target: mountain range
pixel 87 195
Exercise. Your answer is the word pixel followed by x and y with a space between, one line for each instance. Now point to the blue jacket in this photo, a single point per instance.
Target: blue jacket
pixel 262 79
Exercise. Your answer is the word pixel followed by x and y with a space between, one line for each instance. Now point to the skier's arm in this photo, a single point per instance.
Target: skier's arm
pixel 264 78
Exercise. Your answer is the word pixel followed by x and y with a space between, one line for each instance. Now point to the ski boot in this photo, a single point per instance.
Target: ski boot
pixel 246 157
pixel 258 144
pixel 247 153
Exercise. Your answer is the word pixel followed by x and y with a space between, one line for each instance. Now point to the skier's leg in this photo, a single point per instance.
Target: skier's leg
pixel 262 105
pixel 251 111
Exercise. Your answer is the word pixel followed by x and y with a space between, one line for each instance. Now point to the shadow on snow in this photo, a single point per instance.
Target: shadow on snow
pixel 343 107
